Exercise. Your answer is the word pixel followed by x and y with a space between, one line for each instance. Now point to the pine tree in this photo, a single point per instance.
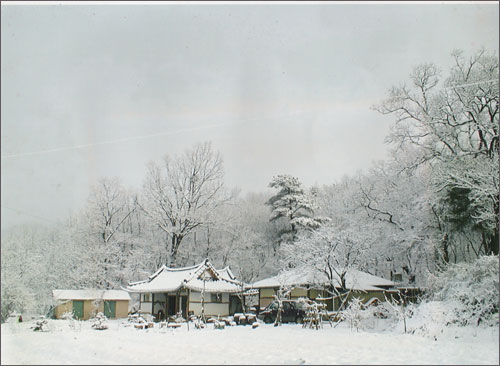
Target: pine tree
pixel 293 204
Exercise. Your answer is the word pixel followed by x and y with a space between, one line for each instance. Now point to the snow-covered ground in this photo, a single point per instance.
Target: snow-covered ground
pixel 288 344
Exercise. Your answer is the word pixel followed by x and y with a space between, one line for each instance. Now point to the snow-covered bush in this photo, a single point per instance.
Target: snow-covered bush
pixel 358 315
pixel 429 319
pixel 70 317
pixel 41 325
pixel 99 322
pixel 397 310
pixel 470 291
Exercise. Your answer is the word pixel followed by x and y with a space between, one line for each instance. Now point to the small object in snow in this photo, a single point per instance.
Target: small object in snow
pixel 219 325
pixel 300 361
pixel 40 324
pixel 242 320
pixel 255 325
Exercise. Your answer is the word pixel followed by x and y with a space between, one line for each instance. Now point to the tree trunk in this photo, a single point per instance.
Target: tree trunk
pixel 176 241
pixel 446 256
pixel 492 245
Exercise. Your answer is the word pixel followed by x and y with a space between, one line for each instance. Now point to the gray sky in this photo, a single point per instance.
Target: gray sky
pixel 283 88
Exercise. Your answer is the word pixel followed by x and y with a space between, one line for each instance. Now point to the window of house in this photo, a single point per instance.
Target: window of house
pixel 216 297
pixel 145 297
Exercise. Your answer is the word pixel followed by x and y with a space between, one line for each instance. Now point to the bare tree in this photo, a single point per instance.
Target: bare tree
pixel 182 194
pixel 106 225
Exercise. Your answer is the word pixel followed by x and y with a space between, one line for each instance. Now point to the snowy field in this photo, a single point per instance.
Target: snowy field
pixel 288 344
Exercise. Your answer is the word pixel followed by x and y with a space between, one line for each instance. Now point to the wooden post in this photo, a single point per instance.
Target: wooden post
pixel 203 302
pixel 153 304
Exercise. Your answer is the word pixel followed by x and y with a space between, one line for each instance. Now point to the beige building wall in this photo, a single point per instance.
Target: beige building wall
pixel 297 293
pixel 63 308
pixel 365 296
pixel 121 309
pixel 89 309
pixel 266 296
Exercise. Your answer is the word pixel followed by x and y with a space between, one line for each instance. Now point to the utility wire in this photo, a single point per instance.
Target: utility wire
pixel 112 141
pixel 133 138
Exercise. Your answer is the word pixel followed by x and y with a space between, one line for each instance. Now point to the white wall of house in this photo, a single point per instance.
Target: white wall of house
pixel 211 308
pixel 147 307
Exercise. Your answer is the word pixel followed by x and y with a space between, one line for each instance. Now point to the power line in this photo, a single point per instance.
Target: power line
pixel 126 139
pixel 111 141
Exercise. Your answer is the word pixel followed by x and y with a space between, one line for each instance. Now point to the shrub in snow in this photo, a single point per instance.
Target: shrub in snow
pixel 429 319
pixel 41 324
pixel 470 291
pixel 363 316
pixel 70 317
pixel 398 310
pixel 99 322
pixel 354 313
pixel 219 324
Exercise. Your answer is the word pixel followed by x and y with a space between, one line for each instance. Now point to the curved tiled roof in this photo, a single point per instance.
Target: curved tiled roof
pixel 168 279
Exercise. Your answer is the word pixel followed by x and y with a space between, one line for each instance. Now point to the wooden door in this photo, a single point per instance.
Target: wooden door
pixel 110 309
pixel 78 309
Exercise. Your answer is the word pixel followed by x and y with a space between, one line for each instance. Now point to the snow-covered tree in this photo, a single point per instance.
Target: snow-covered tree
pixel 293 204
pixel 398 203
pixel 27 280
pixel 109 229
pixel 182 195
pixel 329 253
pixel 453 123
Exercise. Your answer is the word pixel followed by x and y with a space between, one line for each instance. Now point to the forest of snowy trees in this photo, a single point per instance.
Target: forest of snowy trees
pixel 433 202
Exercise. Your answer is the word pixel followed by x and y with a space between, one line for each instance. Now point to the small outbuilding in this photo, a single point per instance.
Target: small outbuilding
pixel 84 304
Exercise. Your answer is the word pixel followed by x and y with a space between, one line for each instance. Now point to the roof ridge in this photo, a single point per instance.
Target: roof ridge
pixel 172 269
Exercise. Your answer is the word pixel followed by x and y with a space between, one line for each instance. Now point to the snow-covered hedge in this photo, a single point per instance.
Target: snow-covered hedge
pixel 469 292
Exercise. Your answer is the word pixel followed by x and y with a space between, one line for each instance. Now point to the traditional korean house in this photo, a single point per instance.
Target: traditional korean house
pixel 173 290
pixel 84 304
pixel 315 286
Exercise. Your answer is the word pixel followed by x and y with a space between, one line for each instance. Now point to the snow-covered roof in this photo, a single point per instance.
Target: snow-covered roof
pixel 168 279
pixel 90 294
pixel 227 273
pixel 355 280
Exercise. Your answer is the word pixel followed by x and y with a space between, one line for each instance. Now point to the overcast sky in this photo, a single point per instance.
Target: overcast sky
pixel 283 88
